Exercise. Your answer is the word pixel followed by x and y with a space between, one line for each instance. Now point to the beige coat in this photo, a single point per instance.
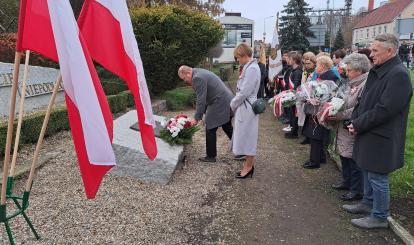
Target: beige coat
pixel 344 140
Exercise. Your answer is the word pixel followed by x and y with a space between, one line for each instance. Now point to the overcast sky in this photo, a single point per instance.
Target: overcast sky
pixel 258 10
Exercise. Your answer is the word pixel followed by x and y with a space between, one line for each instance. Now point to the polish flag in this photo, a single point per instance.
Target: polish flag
pixel 49 27
pixel 107 29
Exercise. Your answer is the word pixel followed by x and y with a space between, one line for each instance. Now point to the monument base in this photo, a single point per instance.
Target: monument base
pixel 131 159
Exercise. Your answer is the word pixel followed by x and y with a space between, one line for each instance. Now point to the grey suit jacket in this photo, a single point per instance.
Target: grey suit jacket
pixel 213 98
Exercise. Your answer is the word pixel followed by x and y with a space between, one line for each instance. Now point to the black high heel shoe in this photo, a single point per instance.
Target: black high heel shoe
pixel 238 176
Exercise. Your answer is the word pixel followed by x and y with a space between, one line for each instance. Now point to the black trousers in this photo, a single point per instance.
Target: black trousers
pixel 293 120
pixel 211 138
pixel 352 175
pixel 317 152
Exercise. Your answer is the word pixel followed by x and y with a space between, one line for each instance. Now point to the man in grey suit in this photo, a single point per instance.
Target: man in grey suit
pixel 213 99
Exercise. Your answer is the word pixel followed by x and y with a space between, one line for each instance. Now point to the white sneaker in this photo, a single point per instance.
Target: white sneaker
pixel 287 129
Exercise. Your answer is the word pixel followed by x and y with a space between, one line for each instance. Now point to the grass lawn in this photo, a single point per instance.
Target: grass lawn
pixel 402 181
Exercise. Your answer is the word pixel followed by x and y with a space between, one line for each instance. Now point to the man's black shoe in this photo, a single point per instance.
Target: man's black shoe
pixel 207 159
pixel 340 187
pixel 351 197
pixel 311 165
pixel 306 141
pixel 291 136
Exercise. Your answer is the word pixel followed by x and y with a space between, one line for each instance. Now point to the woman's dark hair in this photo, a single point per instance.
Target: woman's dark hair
pixel 339 54
pixel 296 57
pixel 367 52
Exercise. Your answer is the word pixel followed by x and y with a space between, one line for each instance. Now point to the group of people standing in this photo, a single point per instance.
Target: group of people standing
pixel 370 129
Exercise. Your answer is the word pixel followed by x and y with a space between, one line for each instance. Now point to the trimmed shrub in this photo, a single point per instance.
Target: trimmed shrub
pixel 113 86
pixel 118 102
pixel 179 98
pixel 170 36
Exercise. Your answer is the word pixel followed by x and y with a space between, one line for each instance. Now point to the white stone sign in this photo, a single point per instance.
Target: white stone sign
pixel 41 81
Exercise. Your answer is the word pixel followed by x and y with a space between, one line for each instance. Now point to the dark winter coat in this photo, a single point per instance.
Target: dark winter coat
pixel 296 76
pixel 286 76
pixel 263 80
pixel 312 129
pixel 380 118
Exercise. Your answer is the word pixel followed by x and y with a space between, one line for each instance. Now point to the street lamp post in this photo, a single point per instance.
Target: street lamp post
pixel 264 27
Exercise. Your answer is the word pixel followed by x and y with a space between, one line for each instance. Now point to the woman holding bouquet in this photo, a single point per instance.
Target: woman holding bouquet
pixel 309 64
pixel 246 122
pixel 357 67
pixel 318 135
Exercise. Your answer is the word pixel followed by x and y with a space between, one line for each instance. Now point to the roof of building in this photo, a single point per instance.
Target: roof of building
pixel 384 14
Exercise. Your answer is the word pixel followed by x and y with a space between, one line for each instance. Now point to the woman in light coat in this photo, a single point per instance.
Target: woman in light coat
pixel 246 122
pixel 357 67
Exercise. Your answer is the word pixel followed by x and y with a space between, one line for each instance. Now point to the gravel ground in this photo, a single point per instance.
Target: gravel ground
pixel 192 209
pixel 203 204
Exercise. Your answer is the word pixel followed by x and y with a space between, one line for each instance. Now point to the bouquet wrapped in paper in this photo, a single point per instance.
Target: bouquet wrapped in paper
pixel 316 91
pixel 330 108
pixel 285 98
pixel 178 130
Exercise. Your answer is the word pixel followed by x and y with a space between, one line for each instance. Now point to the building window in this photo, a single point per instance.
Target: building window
pixel 367 32
pixel 385 29
pixel 230 38
pixel 379 29
pixel 375 31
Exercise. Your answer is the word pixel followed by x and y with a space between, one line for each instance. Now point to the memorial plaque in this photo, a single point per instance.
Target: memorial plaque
pixel 40 83
pixel 159 121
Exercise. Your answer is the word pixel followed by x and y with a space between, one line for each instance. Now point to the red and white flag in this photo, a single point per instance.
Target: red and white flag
pixel 107 29
pixel 49 28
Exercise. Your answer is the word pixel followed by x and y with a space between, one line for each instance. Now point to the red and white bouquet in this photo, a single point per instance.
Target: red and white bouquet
pixel 330 108
pixel 283 99
pixel 179 130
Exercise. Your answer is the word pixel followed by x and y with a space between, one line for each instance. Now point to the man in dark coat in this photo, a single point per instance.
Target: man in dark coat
pixel 213 99
pixel 379 122
pixel 294 80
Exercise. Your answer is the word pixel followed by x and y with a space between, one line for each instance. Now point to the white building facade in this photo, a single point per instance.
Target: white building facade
pixel 382 20
pixel 237 29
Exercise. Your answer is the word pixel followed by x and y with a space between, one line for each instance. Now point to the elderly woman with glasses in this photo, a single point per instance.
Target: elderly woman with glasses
pixel 357 67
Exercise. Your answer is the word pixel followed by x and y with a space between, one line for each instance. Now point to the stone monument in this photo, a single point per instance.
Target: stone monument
pixel 131 159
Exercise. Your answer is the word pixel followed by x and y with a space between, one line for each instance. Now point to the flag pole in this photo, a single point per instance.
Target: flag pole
pixel 20 120
pixel 17 58
pixel 42 134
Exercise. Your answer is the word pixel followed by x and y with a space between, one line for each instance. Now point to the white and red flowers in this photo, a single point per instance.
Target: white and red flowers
pixel 178 123
pixel 179 130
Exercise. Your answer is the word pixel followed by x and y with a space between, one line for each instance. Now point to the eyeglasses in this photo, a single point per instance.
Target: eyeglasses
pixel 308 63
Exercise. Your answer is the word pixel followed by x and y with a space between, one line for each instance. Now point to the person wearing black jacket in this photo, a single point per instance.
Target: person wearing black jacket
pixel 318 135
pixel 293 82
pixel 379 123
pixel 263 80
pixel 404 51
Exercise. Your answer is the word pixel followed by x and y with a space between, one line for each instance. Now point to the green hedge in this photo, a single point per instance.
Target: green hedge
pixel 179 98
pixel 169 37
pixel 114 86
pixel 58 121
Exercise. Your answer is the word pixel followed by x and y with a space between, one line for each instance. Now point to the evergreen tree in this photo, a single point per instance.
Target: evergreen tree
pixel 339 41
pixel 327 39
pixel 294 26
